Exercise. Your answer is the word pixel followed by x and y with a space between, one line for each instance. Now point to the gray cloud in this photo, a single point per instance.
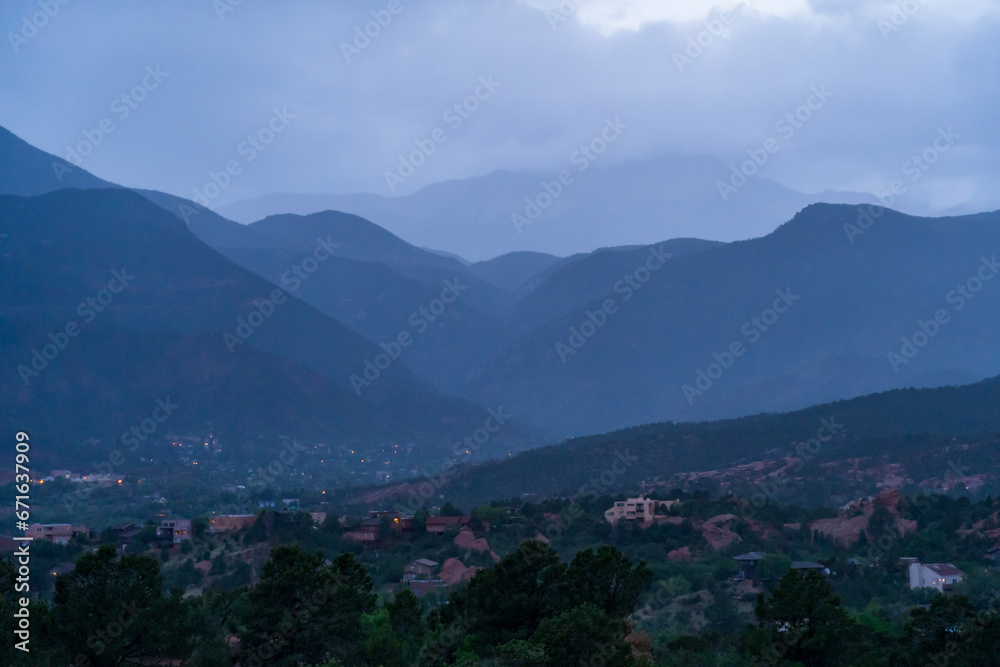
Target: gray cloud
pixel 892 90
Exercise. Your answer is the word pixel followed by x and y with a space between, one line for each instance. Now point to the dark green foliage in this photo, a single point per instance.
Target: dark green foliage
pixel 112 610
pixel 880 523
pixel 218 565
pixel 240 575
pixel 304 612
pixel 802 622
pixel 198 527
pixel 607 580
pixel 508 601
pixel 185 575
pixel 420 522
pixel 583 635
pixel 573 600
pixel 450 510
pixel 521 653
pixel 773 567
pixel 405 615
pixel 532 601
pixel 722 615
pixel 932 630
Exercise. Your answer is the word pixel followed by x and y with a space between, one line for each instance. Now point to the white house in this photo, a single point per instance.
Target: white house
pixel 641 509
pixel 942 576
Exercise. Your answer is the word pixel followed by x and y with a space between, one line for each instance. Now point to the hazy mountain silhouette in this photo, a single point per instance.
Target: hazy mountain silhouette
pixel 684 329
pixel 637 202
pixel 26 171
pixel 851 304
pixel 512 270
pixel 157 312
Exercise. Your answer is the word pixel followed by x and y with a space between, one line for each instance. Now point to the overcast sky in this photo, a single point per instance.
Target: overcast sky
pixel 560 75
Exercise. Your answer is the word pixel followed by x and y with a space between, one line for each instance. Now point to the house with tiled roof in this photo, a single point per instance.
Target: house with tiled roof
pixel 422 568
pixel 437 524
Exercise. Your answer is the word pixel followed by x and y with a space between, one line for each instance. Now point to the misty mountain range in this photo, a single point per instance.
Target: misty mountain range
pixel 327 324
pixel 604 205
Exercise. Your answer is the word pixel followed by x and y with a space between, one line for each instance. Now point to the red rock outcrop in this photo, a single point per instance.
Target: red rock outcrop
pixel 846 529
pixel 717 533
pixel 682 554
pixel 455 572
pixel 467 540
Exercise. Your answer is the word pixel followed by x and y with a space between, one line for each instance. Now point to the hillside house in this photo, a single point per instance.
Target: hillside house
pixel 941 576
pixel 637 509
pixel 748 564
pixel 420 569
pixel 437 524
pixel 224 523
pixel 56 533
pixel 125 533
pixel 174 531
pixel 366 532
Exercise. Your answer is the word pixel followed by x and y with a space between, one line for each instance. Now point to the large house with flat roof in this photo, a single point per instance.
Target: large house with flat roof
pixel 642 510
pixel 57 533
pixel 942 576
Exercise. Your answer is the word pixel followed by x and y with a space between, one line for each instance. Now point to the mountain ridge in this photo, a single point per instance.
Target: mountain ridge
pixel 632 203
